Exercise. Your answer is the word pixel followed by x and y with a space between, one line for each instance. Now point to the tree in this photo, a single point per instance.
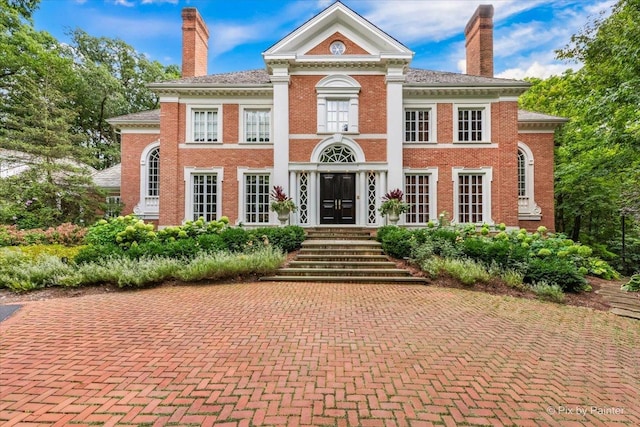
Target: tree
pixel 38 116
pixel 598 151
pixel 112 81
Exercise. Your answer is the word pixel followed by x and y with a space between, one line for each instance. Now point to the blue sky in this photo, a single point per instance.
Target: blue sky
pixel 526 32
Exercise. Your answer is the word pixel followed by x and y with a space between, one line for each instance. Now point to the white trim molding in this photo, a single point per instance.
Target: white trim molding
pixel 338 87
pixel 487 173
pixel 528 209
pixel 485 123
pixel 189 172
pixel 413 105
pixel 191 108
pixel 241 173
pixel 148 206
pixel 432 173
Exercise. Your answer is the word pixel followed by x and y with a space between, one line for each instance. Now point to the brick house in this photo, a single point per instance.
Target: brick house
pixel 337 118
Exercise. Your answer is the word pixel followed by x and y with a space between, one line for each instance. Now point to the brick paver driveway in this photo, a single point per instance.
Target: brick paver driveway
pixel 325 354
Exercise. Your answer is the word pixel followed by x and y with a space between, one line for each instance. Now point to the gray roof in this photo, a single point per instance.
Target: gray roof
pixel 142 117
pixel 530 116
pixel 249 77
pixel 110 177
pixel 415 76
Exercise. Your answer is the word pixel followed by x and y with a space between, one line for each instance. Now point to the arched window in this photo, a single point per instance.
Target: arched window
pixel 153 173
pixel 149 205
pixel 527 207
pixel 522 173
pixel 337 154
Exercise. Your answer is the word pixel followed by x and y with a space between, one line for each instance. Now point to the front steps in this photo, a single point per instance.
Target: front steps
pixel 345 255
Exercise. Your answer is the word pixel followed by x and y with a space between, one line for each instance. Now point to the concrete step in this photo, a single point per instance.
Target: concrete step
pixel 343 272
pixel 351 279
pixel 341 252
pixel 337 236
pixel 305 256
pixel 340 244
pixel 340 264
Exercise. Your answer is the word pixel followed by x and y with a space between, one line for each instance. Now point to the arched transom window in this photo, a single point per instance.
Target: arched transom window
pixel 337 154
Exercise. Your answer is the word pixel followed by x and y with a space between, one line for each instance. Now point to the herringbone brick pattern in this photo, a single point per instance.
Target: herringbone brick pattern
pixel 316 354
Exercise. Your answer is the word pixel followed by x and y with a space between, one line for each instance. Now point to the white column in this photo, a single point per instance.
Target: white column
pixel 395 80
pixel 280 80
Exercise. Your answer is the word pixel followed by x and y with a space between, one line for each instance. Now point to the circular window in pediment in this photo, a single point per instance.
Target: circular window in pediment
pixel 337 48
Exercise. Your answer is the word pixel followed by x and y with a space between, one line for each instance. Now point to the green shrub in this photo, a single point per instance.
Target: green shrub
pixel 500 251
pixel 512 278
pixel 633 285
pixel 287 238
pixel 36 251
pixel 555 271
pixel 45 271
pixel 396 241
pixel 211 242
pixel 467 271
pixel 96 253
pixel 235 238
pixel 548 292
pixel 223 265
pixel 181 249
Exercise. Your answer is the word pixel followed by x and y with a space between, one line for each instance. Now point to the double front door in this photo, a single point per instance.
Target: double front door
pixel 337 198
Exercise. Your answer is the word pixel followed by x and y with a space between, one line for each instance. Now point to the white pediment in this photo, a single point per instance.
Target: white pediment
pixel 337 18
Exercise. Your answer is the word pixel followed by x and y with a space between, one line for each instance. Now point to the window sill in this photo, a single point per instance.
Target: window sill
pixel 529 217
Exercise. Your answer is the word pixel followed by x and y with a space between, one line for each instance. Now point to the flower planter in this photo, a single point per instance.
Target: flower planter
pixel 283 216
pixel 393 217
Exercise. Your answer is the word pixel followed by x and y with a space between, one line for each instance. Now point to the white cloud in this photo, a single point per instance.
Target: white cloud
pixel 418 21
pixel 125 3
pixel 541 71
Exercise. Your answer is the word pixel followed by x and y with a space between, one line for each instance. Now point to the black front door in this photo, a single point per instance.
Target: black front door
pixel 337 198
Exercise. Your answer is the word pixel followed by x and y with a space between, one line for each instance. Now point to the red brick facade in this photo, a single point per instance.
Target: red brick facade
pixel 375 138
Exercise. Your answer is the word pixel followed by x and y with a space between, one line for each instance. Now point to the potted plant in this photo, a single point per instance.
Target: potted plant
pixel 393 205
pixel 282 204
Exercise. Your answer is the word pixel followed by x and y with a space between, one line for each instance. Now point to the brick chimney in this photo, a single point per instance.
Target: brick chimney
pixel 479 42
pixel 195 43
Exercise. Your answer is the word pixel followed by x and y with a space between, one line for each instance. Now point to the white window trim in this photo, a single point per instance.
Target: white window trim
pixel 189 123
pixel 433 190
pixel 242 131
pixel 487 171
pixel 241 172
pixel 189 171
pixel 338 87
pixel 486 122
pixel 148 207
pixel 528 210
pixel 433 123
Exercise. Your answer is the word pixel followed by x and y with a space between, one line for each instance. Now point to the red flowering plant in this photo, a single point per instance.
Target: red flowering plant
pixel 392 203
pixel 280 202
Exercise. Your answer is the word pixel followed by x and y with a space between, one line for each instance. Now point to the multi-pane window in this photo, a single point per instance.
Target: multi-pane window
pixel 416 125
pixel 417 196
pixel 337 115
pixel 205 125
pixel 256 203
pixel 204 188
pixel 113 206
pixel 470 198
pixel 153 173
pixel 522 174
pixel 257 125
pixel 470 124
